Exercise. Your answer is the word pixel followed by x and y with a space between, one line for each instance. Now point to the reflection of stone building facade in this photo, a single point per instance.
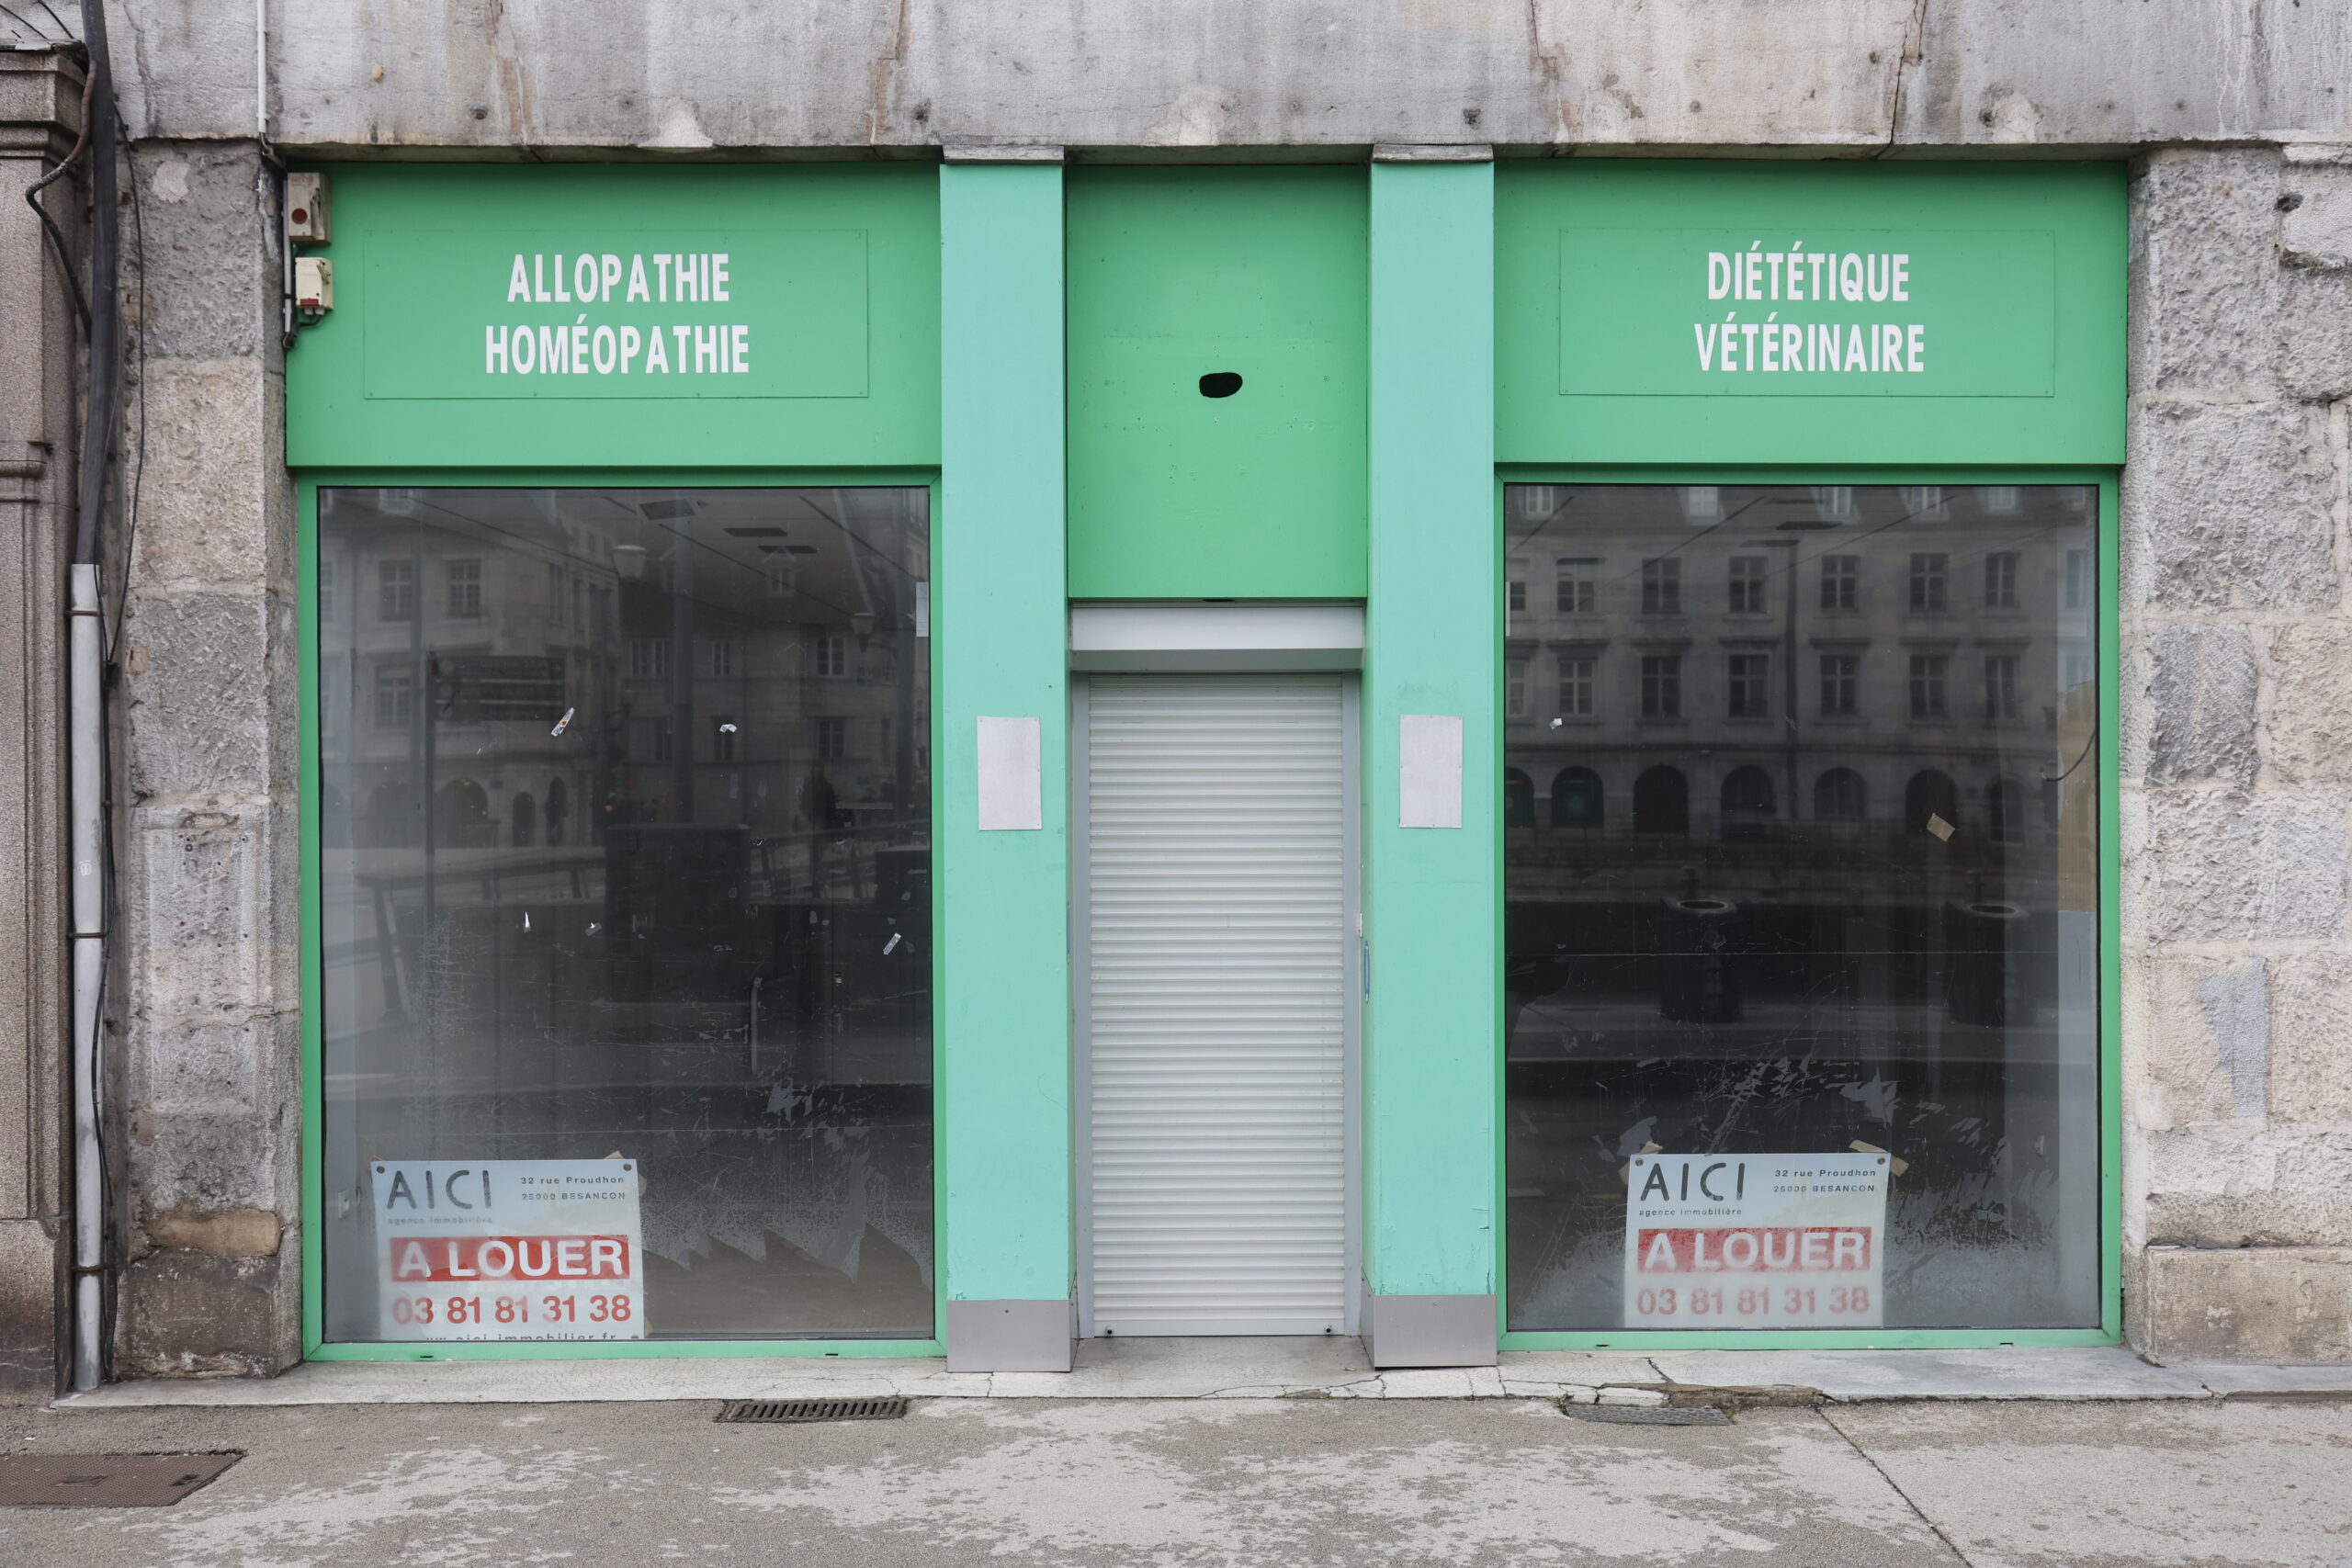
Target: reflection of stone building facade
pixel 1732 663
pixel 774 702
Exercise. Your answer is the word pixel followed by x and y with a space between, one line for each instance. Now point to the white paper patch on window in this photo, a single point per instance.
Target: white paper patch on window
pixel 1939 828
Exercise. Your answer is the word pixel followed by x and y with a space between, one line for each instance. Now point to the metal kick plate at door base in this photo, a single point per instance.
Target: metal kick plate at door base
pixel 105 1481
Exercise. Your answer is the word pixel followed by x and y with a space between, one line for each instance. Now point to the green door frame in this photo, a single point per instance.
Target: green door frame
pixel 315 1345
pixel 2109 619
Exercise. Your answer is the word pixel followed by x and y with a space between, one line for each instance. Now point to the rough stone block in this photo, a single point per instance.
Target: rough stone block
pixel 2205 272
pixel 2223 868
pixel 204 887
pixel 210 690
pixel 2307 730
pixel 2207 1043
pixel 211 280
pixel 210 1161
pixel 2231 1186
pixel 2316 228
pixel 2243 1303
pixel 2311 1038
pixel 2230 506
pixel 186 1313
pixel 2316 311
pixel 2199 705
pixel 215 506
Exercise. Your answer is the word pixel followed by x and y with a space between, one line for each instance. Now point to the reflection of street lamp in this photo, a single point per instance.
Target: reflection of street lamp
pixel 628 561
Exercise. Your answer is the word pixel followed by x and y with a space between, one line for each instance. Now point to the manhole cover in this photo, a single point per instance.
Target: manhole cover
pixel 105 1481
pixel 888 1409
pixel 1646 1415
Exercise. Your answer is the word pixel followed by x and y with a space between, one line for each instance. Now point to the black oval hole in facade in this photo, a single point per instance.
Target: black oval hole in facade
pixel 1220 384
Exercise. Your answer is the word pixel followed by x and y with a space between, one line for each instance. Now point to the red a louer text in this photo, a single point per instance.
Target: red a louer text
pixel 457 1258
pixel 1828 1249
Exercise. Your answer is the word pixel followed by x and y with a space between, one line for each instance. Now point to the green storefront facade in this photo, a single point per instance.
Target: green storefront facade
pixel 755 617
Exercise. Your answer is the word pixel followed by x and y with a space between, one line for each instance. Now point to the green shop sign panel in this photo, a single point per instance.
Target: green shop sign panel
pixel 1816 313
pixel 625 316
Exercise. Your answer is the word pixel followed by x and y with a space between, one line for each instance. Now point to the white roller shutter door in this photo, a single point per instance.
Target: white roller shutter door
pixel 1217 925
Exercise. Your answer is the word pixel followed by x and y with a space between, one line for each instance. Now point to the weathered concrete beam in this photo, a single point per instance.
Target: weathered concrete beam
pixel 504 77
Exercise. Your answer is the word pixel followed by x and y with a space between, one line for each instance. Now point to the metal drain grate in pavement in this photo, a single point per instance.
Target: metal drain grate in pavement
pixel 888 1409
pixel 105 1481
pixel 1647 1415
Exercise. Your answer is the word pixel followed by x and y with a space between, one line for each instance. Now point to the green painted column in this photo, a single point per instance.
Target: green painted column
pixel 1432 894
pixel 1004 1090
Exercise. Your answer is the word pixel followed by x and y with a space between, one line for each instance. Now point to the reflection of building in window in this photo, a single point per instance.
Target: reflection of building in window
pixel 558 811
pixel 2005 812
pixel 1703 503
pixel 556 595
pixel 1926 503
pixel 396 591
pixel 1572 590
pixel 1749 682
pixel 833 739
pixel 783 577
pixel 1577 681
pixel 395 697
pixel 326 590
pixel 2000 686
pixel 1836 504
pixel 2078 578
pixel 1837 796
pixel 1519 799
pixel 1999 501
pixel 1840 681
pixel 1662 587
pixel 1515 688
pixel 1575 798
pixel 1927 676
pixel 724 658
pixel 1661 685
pixel 1930 794
pixel 1928 569
pixel 664 742
pixel 1748 804
pixel 1840 577
pixel 524 818
pixel 1515 591
pixel 1661 801
pixel 2001 580
pixel 648 658
pixel 1746 585
pixel 465 589
pixel 831 655
pixel 723 737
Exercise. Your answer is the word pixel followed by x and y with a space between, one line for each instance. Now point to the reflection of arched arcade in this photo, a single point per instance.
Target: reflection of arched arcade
pixel 1662 802
pixel 1576 799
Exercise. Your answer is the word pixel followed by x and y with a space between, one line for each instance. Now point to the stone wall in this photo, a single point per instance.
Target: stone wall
pixel 209 1024
pixel 2237 756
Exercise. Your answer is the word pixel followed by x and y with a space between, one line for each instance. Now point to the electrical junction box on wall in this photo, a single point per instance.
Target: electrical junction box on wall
pixel 306 210
pixel 314 286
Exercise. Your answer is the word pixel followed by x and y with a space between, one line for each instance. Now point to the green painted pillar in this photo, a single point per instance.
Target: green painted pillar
pixel 1003 849
pixel 1432 894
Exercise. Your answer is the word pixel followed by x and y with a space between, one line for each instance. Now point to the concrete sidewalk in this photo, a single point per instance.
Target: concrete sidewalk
pixel 1229 1483
pixel 1260 1369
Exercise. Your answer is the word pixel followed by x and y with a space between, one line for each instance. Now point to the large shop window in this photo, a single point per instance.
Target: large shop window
pixel 1803 960
pixel 625 902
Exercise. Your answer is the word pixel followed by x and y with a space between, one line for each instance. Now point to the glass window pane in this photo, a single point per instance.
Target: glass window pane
pixel 1869 923
pixel 625 816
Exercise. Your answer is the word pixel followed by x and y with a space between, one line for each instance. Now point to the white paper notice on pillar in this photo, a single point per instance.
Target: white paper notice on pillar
pixel 1755 1241
pixel 508 1249
pixel 1429 770
pixel 1012 775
